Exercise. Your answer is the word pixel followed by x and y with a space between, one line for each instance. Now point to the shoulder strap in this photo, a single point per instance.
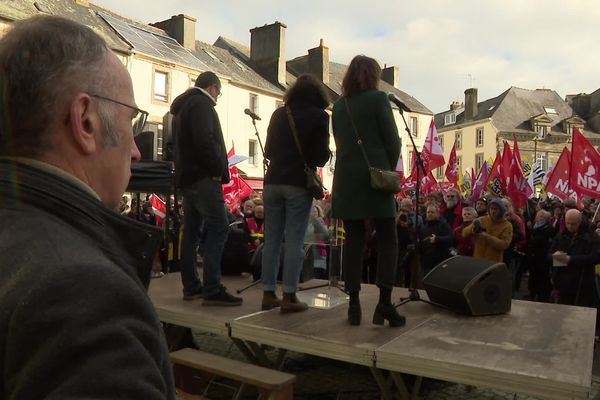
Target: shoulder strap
pixel 358 139
pixel 295 133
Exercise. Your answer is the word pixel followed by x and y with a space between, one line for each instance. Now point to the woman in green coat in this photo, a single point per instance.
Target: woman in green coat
pixel 365 111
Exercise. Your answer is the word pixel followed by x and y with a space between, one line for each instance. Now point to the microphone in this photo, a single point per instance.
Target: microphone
pixel 399 103
pixel 251 114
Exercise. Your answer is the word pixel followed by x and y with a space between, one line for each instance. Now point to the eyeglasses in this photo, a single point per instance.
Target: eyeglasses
pixel 139 119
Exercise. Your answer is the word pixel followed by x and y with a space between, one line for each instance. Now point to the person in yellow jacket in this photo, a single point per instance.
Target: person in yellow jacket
pixel 493 233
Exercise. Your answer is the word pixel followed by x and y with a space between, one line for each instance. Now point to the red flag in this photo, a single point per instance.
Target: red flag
pixel 584 178
pixel 432 154
pixel 558 181
pixel 428 183
pixel 400 167
pixel 517 153
pixel 159 207
pixel 473 178
pixel 517 186
pixel 452 168
pixel 237 188
pixel 507 160
pixel 495 180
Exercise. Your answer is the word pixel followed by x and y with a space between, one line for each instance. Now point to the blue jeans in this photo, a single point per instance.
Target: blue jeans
pixel 204 210
pixel 287 210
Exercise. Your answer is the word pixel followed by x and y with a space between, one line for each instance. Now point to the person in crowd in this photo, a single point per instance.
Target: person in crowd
pixel 405 229
pixel 247 209
pixel 201 168
pixel 575 252
pixel 513 255
pixel 316 237
pixel 255 228
pixel 558 219
pixel 75 317
pixel 481 206
pixel 538 247
pixel 493 233
pixel 287 201
pixel 465 246
pixel 451 208
pixel 435 239
pixel 366 111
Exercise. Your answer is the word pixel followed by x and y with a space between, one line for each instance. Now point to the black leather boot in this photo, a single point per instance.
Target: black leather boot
pixel 387 311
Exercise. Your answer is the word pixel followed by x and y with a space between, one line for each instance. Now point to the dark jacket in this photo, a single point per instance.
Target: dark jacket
pixel 75 317
pixel 434 253
pixel 199 145
pixel 576 281
pixel 353 197
pixel 286 165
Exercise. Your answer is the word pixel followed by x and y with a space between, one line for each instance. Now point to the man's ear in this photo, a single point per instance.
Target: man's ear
pixel 86 127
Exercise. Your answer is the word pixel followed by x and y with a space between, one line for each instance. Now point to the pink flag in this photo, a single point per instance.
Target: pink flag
pixel 480 182
pixel 237 188
pixel 584 178
pixel 432 154
pixel 452 168
pixel 506 165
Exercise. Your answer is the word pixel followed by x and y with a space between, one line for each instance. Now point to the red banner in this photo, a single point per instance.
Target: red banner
pixel 432 154
pixel 495 180
pixel 558 181
pixel 584 176
pixel 452 168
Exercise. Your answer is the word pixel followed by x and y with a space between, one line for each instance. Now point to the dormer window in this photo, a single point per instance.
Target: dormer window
pixel 542 131
pixel 550 110
pixel 449 118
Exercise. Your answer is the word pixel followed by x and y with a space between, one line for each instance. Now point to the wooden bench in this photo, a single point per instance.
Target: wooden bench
pixel 271 384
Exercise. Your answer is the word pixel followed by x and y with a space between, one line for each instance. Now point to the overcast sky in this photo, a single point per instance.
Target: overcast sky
pixel 442 47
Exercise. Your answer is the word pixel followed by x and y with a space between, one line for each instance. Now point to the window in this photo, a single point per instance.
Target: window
pixel 159 142
pixel 161 86
pixel 542 160
pixel 252 152
pixel 449 119
pixel 458 139
pixel 253 105
pixel 478 161
pixel 549 110
pixel 411 154
pixel 441 137
pixel 414 126
pixel 479 137
pixel 542 131
pixel 439 172
pixel 459 162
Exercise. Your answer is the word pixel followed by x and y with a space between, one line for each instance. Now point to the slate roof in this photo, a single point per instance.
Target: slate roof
pixel 336 75
pixel 512 111
pixel 225 63
pixel 14 10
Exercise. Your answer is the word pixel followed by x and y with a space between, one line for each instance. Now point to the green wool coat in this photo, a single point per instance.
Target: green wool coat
pixel 353 197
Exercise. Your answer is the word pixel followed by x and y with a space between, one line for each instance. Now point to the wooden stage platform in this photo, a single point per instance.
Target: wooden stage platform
pixel 543 350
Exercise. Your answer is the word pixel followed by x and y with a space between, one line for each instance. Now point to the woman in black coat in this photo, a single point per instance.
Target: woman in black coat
pixel 287 201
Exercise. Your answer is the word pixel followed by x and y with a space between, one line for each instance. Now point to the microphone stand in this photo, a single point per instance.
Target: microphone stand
pixel 414 293
pixel 265 167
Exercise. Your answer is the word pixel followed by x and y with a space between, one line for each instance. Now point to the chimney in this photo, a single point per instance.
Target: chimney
pixel 267 51
pixel 391 75
pixel 181 28
pixel 470 104
pixel 318 62
pixel 455 105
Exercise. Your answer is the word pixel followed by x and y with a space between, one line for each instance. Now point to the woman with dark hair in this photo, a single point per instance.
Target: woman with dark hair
pixel 286 199
pixel 364 111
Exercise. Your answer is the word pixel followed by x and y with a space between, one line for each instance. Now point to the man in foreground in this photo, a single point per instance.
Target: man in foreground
pixel 75 318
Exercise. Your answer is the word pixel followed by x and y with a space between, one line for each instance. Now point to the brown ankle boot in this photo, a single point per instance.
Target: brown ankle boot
pixel 290 303
pixel 270 300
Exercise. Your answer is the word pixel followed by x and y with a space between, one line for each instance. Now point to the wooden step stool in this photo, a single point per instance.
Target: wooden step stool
pixel 271 384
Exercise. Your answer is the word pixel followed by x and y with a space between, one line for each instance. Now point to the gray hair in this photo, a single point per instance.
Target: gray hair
pixel 43 61
pixel 544 214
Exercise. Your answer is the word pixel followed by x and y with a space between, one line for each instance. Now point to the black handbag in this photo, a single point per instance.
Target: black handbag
pixel 381 179
pixel 313 181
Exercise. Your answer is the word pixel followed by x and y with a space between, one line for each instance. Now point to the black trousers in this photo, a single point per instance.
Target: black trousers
pixel 353 254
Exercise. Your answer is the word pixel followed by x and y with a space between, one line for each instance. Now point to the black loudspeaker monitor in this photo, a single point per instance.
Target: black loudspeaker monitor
pixel 472 286
pixel 145 143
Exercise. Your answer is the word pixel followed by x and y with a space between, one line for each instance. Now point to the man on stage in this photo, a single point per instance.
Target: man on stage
pixel 200 169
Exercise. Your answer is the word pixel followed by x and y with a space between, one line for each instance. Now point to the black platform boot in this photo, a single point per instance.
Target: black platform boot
pixel 385 310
